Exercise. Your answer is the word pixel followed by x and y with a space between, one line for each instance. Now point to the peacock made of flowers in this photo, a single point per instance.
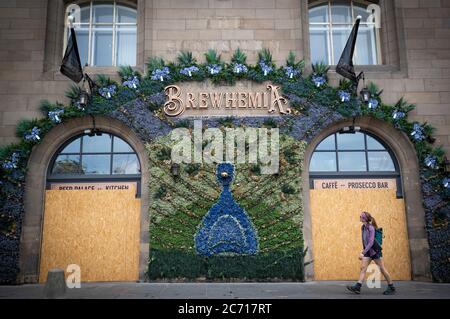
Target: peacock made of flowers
pixel 226 229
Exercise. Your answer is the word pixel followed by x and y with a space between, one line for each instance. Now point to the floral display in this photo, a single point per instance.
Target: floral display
pixel 253 224
pixel 132 82
pixel 189 70
pixel 108 92
pixel 160 74
pixel 33 135
pixel 226 229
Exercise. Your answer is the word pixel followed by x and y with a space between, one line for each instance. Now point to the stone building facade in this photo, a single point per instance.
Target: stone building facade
pixel 414 44
pixel 414 63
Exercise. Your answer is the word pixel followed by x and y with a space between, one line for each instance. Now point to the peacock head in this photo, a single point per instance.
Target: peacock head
pixel 225 172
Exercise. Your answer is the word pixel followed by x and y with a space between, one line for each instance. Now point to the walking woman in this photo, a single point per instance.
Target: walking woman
pixel 371 251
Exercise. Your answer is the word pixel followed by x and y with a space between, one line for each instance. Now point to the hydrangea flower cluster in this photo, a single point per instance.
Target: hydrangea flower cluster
pixel 431 162
pixel 239 68
pixel 214 69
pixel 319 80
pixel 417 132
pixel 397 115
pixel 108 92
pixel 373 103
pixel 189 70
pixel 55 116
pixel 291 71
pixel 33 135
pixel 12 163
pixel 160 74
pixel 265 68
pixel 446 182
pixel 132 82
pixel 344 96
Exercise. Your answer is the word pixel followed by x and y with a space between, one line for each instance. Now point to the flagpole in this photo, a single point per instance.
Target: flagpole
pixel 361 74
pixel 345 67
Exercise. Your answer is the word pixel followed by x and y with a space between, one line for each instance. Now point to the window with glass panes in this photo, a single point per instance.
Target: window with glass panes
pixel 97 155
pixel 106 33
pixel 330 24
pixel 352 153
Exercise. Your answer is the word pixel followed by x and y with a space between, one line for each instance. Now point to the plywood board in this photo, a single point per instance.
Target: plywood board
pixel 337 232
pixel 95 229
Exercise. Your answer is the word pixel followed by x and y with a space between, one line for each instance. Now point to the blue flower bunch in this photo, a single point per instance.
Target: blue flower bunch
pixel 132 82
pixel 214 69
pixel 265 68
pixel 55 116
pixel 160 74
pixel 239 68
pixel 189 70
pixel 33 135
pixel 291 71
pixel 417 132
pixel 446 182
pixel 12 163
pixel 226 229
pixel 319 80
pixel 373 103
pixel 397 115
pixel 344 96
pixel 108 92
pixel 431 162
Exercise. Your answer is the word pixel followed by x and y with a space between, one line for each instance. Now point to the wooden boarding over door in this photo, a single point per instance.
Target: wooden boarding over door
pixel 337 231
pixel 95 229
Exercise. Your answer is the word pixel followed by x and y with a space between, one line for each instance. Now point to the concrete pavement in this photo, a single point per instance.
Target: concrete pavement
pixel 308 290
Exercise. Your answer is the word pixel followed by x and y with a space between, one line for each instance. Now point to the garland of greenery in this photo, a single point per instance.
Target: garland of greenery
pixel 137 95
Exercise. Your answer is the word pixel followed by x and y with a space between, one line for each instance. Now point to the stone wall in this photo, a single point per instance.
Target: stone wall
pixel 415 42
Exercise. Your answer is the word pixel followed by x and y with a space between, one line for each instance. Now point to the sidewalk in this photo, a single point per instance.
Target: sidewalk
pixel 308 290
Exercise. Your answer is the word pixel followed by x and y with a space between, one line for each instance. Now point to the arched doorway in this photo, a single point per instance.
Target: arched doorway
pixel 351 171
pixel 92 208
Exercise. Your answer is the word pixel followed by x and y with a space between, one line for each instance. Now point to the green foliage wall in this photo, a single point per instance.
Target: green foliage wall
pixel 178 204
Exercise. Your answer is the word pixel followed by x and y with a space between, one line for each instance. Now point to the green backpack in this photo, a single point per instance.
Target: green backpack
pixel 379 236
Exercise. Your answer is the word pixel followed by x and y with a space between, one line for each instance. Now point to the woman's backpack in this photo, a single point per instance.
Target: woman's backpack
pixel 379 237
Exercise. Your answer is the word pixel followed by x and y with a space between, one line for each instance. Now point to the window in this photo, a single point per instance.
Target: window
pixel 106 34
pixel 103 155
pixel 330 24
pixel 352 153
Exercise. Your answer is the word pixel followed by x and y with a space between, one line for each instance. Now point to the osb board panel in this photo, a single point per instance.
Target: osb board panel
pixel 337 232
pixel 95 229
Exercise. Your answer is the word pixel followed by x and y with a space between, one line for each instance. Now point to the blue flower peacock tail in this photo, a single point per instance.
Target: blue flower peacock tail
pixel 226 229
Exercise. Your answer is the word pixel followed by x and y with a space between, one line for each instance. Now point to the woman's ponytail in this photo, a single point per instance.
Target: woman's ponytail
pixel 373 222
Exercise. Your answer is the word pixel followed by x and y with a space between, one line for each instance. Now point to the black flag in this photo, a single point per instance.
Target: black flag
pixel 345 66
pixel 71 64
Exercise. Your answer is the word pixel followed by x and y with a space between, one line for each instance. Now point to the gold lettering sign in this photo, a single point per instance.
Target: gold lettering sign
pixel 267 100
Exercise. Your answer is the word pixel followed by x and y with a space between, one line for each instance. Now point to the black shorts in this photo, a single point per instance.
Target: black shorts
pixel 378 255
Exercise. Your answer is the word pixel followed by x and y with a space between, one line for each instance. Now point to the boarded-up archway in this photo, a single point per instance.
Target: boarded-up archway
pixel 414 214
pixel 352 171
pixel 37 186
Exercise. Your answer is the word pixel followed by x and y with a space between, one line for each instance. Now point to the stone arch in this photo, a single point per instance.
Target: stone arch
pixel 406 156
pixel 31 237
